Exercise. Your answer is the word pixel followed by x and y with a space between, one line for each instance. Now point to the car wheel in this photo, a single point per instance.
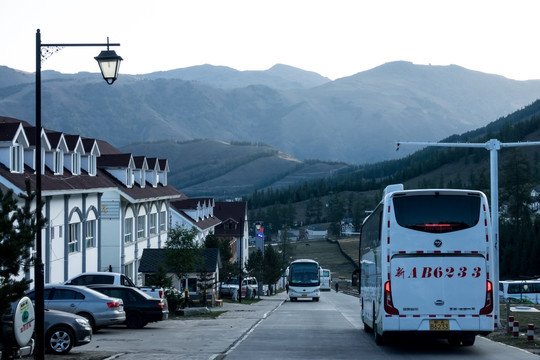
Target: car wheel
pixel 59 340
pixel 91 321
pixel 134 320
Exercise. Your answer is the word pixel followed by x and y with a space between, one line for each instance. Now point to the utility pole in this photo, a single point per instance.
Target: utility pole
pixel 493 146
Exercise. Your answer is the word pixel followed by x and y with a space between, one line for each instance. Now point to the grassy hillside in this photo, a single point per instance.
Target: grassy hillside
pixel 221 169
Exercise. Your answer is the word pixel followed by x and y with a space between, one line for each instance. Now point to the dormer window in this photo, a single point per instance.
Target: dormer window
pixel 230 225
pixel 58 162
pixel 76 163
pixel 143 178
pixel 92 169
pixel 129 177
pixel 16 158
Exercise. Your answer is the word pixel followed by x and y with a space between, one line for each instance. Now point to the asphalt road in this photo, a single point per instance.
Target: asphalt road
pixel 276 329
pixel 332 329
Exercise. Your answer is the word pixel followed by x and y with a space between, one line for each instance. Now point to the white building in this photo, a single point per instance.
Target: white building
pixel 316 232
pixel 102 207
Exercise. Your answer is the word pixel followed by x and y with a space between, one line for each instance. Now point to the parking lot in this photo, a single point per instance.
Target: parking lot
pixel 186 338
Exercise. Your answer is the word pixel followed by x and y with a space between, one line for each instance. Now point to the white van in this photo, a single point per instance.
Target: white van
pixel 527 291
pixel 326 279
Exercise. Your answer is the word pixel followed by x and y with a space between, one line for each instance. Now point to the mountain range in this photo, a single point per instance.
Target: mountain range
pixel 355 119
pixel 222 128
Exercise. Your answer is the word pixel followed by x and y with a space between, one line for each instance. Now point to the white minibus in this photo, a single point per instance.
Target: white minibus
pixel 326 279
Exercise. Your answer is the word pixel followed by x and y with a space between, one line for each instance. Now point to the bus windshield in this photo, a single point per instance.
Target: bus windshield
pixel 437 213
pixel 304 274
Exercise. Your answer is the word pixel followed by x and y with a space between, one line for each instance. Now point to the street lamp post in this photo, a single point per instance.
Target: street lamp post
pixel 493 146
pixel 109 63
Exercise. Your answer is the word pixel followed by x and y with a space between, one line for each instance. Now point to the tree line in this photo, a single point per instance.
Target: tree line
pixel 343 196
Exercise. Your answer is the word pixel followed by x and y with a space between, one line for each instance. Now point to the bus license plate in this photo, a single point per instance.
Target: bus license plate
pixel 304 295
pixel 439 325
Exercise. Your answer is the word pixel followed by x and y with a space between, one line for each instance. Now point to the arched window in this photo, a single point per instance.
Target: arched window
pixel 74 232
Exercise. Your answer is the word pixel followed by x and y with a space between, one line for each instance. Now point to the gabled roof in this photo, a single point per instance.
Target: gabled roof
pixel 192 203
pixel 8 131
pixel 163 164
pixel 13 133
pixel 152 258
pixel 30 133
pixel 91 146
pixel 183 207
pixel 74 143
pixel 140 162
pixel 116 161
pixel 153 164
pixel 230 211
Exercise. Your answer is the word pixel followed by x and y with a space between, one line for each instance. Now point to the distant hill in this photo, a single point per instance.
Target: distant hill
pixel 356 119
pixel 216 168
pixel 277 77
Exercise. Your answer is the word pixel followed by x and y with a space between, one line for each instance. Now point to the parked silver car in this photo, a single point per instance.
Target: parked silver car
pixel 63 331
pixel 100 310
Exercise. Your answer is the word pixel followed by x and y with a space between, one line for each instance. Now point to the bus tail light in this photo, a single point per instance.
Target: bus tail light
pixel 488 307
pixel 388 303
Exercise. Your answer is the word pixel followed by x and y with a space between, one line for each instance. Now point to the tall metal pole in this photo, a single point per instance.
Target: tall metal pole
pixel 38 265
pixel 493 146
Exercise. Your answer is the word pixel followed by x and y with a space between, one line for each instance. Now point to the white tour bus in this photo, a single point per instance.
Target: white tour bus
pixel 426 265
pixel 326 279
pixel 303 278
pixel 527 291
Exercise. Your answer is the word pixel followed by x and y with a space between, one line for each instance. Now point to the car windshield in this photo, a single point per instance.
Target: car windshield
pixel 232 281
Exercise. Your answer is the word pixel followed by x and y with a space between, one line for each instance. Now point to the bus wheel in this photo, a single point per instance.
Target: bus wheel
pixel 468 340
pixel 367 328
pixel 315 299
pixel 379 339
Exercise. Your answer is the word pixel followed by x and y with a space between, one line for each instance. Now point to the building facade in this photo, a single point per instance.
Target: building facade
pixel 102 207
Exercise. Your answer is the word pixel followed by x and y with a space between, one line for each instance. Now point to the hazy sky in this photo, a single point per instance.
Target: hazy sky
pixel 334 38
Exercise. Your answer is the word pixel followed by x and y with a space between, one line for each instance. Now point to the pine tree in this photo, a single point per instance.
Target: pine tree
pixel 17 234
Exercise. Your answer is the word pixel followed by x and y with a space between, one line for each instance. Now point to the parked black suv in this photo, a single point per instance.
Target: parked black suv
pixel 140 308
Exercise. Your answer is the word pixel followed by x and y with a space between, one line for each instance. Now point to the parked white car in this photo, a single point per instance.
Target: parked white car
pixel 250 287
pixel 110 278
